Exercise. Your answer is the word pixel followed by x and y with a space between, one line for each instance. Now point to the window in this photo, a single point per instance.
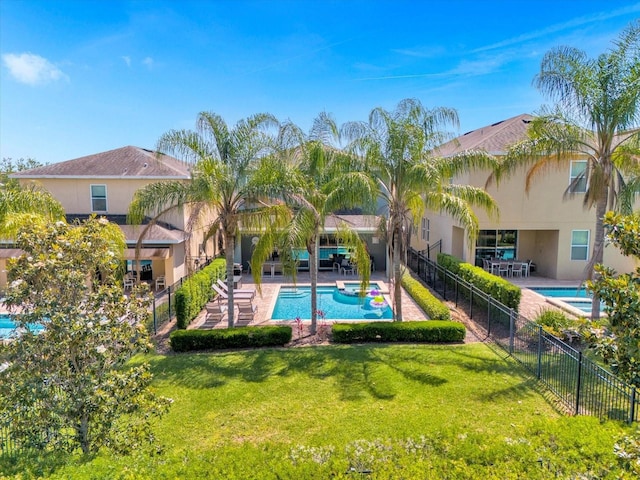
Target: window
pixel 579 244
pixel 425 227
pixel 496 244
pixel 578 174
pixel 98 198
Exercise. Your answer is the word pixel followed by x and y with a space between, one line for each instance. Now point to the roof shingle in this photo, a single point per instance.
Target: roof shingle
pixel 125 162
pixel 494 139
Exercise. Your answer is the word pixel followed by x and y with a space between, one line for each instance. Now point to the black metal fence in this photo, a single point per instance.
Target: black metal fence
pixel 582 386
pixel 163 308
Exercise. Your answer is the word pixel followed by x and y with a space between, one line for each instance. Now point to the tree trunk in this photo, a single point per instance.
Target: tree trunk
pixel 83 433
pixel 397 277
pixel 313 274
pixel 229 248
pixel 598 250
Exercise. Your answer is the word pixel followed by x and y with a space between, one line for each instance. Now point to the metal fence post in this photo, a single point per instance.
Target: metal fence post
pixel 512 330
pixel 632 400
pixel 539 372
pixel 471 300
pixel 169 300
pixel 579 383
pixel 155 326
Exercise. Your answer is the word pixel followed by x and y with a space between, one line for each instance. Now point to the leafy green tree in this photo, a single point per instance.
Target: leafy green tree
pixel 596 117
pixel 223 162
pixel 619 342
pixel 70 386
pixel 311 177
pixel 395 148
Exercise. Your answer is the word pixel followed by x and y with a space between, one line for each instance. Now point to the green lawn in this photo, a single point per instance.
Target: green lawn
pixel 329 412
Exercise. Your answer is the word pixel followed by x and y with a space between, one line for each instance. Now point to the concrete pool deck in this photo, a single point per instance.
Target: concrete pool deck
pixel 266 296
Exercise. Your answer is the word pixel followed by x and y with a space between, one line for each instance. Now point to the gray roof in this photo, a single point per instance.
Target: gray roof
pixel 155 235
pixel 494 139
pixel 125 162
pixel 359 223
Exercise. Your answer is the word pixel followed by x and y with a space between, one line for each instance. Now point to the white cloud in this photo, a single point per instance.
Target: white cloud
pixel 127 60
pixel 32 69
pixel 148 61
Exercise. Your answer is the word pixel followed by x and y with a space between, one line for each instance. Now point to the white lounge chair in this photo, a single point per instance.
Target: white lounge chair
pixel 236 291
pixel 239 296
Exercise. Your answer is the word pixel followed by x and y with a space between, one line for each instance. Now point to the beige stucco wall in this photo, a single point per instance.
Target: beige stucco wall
pixel 543 219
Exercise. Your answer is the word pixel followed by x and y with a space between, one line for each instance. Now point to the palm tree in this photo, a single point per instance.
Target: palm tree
pixel 223 161
pixel 596 117
pixel 312 178
pixel 395 148
pixel 18 205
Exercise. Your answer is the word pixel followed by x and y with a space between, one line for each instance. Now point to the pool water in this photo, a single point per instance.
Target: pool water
pixel 555 292
pixel 8 327
pixel 574 296
pixel 295 302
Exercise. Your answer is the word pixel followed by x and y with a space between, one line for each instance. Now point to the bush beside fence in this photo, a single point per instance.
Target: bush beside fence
pixel 434 308
pixel 196 291
pixel 497 287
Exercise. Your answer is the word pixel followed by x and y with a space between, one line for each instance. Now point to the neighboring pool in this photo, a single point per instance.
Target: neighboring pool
pixel 573 296
pixel 294 302
pixel 8 327
pixel 555 292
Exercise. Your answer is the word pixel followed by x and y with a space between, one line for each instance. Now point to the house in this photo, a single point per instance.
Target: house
pixel 104 184
pixel 556 235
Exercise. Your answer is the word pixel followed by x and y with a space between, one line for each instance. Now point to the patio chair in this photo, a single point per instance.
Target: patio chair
pixel 215 313
pixel 236 291
pixel 246 311
pixel 503 268
pixel 128 282
pixel 516 269
pixel 346 267
pixel 239 296
pixel 161 282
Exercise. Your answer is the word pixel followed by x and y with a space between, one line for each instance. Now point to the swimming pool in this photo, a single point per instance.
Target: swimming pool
pixel 336 304
pixel 575 297
pixel 8 327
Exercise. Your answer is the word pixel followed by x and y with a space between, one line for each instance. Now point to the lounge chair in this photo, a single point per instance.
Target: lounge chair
pixel 246 311
pixel 239 296
pixel 215 313
pixel 236 291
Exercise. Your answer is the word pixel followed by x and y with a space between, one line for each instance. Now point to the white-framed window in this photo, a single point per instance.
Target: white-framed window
pixel 98 198
pixel 578 169
pixel 579 244
pixel 425 228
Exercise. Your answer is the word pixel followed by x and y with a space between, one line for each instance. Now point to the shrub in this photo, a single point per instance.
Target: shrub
pixel 554 321
pixel 433 307
pixel 430 331
pixel 246 337
pixel 196 291
pixel 497 287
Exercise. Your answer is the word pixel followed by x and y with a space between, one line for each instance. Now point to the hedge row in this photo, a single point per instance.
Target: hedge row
pixel 430 331
pixel 434 308
pixel 497 287
pixel 246 337
pixel 196 291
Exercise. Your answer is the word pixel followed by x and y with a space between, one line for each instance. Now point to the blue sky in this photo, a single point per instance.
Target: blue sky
pixel 81 77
